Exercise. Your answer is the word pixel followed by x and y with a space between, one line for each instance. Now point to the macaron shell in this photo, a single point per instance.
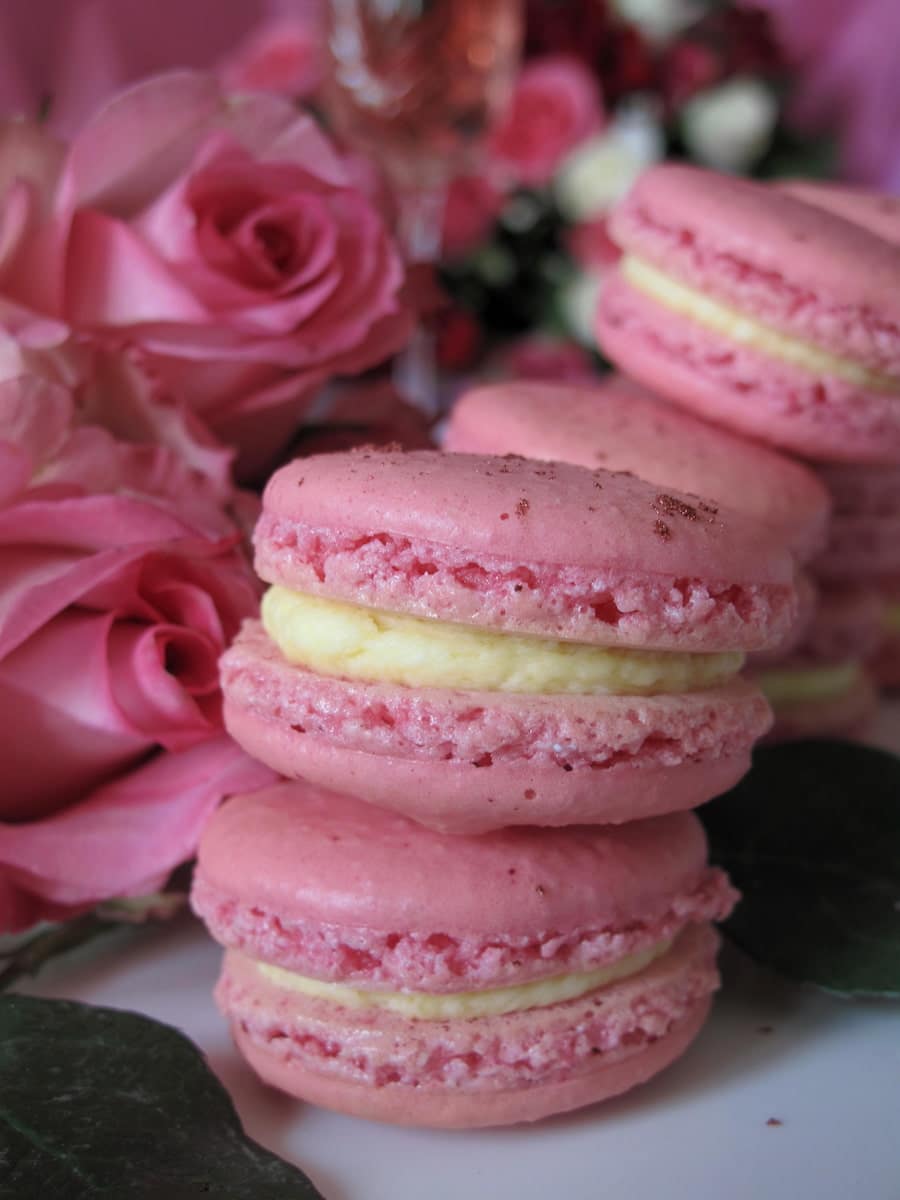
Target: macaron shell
pixel 307 853
pixel 846 627
pixel 878 213
pixel 467 761
pixel 871 491
pixel 790 265
pixel 556 513
pixel 815 416
pixel 441 1110
pixel 620 426
pixel 808 607
pixel 546 548
pixel 861 549
pixel 476 1072
pixel 847 715
pixel 457 798
pixel 864 542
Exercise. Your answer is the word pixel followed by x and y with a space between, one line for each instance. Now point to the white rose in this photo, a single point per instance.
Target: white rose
pixel 729 127
pixel 601 170
pixel 659 20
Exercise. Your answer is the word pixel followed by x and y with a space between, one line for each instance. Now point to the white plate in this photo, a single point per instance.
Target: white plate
pixel 827 1070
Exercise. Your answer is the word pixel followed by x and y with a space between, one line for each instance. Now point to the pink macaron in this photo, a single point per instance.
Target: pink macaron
pixel 385 970
pixel 764 313
pixel 864 543
pixel 619 425
pixel 823 687
pixel 544 558
pixel 876 212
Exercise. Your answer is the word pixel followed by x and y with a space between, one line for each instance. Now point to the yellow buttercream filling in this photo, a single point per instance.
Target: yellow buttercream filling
pixel 735 325
pixel 346 640
pixel 493 1002
pixel 802 684
pixel 892 618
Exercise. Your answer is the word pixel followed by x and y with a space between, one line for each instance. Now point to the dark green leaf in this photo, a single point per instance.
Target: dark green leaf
pixel 812 838
pixel 97 1103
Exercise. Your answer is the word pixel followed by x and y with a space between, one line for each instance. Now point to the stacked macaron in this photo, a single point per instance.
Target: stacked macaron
pixel 764 313
pixel 774 312
pixel 498 685
pixel 479 641
pixel 620 424
pixel 863 556
pixel 386 970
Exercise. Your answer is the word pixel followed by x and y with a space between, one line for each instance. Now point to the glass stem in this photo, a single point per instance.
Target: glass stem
pixel 419 228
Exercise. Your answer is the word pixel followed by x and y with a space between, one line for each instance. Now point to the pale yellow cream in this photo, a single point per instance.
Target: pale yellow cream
pixel 715 315
pixel 800 685
pixel 346 640
pixel 493 1002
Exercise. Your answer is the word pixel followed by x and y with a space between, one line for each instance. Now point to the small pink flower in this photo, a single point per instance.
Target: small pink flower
pixel 556 105
pixel 121 581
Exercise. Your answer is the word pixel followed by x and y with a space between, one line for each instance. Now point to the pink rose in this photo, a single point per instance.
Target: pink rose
pixel 222 236
pixel 103 421
pixel 473 205
pixel 556 105
pixel 115 603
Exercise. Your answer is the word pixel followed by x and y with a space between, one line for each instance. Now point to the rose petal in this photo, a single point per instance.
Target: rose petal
pixel 130 831
pixel 301 141
pixel 35 416
pixel 139 142
pixel 62 731
pixel 42 553
pixel 114 278
pixel 15 472
pixel 153 697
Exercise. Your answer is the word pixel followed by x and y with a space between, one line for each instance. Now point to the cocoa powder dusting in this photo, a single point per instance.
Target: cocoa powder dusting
pixel 522 507
pixel 671 506
pixel 661 529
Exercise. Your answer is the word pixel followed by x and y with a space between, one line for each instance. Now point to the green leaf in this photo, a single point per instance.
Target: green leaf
pixel 97 1103
pixel 811 836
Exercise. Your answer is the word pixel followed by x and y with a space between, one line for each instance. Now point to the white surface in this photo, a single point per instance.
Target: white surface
pixel 828 1070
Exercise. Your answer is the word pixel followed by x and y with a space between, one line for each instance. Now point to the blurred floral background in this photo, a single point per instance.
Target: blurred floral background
pixel 774 87
pixel 198 279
